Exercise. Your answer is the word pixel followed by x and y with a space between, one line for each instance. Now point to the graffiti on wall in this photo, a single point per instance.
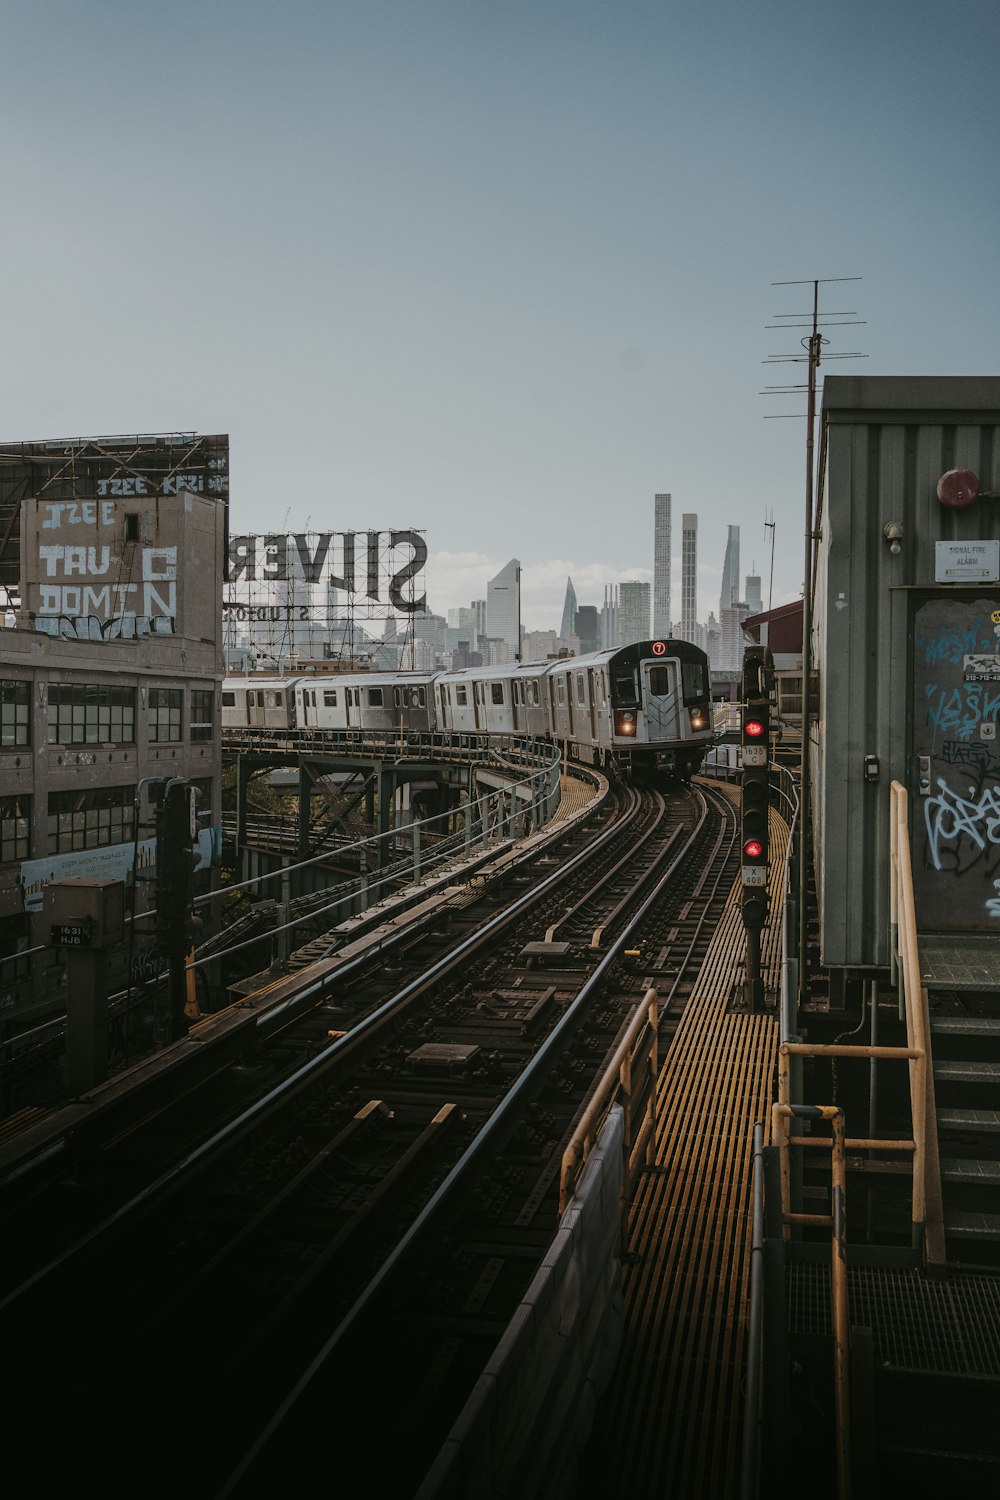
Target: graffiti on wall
pixel 83 588
pixel 957 665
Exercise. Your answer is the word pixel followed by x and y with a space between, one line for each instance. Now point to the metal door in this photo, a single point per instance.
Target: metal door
pixel 955 780
pixel 661 700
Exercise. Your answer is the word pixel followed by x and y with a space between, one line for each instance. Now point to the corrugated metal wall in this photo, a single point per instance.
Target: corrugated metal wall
pixel 887 443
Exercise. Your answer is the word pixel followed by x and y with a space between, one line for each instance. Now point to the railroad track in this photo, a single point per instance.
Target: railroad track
pixel 334 1264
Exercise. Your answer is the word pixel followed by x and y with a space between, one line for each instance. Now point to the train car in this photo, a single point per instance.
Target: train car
pixel 258 702
pixel 377 701
pixel 495 700
pixel 645 707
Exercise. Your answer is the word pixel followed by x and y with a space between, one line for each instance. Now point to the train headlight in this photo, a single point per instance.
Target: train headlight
pixel 625 721
pixel 699 717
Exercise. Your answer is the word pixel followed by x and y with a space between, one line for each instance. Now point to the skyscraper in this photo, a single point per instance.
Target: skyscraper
pixel 752 594
pixel 503 608
pixel 633 612
pixel 689 577
pixel 730 593
pixel 569 611
pixel 587 626
pixel 661 566
pixel 609 616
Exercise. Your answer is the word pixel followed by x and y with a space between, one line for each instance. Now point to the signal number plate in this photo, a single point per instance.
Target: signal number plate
pixel 754 875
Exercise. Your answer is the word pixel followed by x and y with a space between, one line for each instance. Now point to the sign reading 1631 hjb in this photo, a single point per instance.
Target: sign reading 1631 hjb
pixel 380 566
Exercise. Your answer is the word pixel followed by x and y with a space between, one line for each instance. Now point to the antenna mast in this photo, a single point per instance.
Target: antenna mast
pixel 812 345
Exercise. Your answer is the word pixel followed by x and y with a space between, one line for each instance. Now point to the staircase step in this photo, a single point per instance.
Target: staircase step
pixel 965 1025
pixel 967 1072
pixel 959 1169
pixel 981 1121
pixel 972 1226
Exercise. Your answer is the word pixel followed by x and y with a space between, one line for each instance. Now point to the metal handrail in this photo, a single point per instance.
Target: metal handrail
pixel 629 1079
pixel 927 1208
pixel 781 1114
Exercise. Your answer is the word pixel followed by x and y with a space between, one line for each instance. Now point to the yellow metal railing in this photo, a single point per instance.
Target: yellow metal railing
pixel 927 1207
pixel 926 1210
pixel 628 1080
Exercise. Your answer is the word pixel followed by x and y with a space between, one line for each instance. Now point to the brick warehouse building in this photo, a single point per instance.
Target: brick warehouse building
pixel 110 674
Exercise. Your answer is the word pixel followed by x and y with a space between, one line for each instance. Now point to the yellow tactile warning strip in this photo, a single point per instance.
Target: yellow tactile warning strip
pixel 574 793
pixel 670 1423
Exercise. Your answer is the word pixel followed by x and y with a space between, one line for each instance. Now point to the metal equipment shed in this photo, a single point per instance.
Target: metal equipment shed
pixel 906 640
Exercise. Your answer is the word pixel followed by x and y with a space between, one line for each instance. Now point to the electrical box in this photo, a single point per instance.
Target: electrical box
pixel 85 913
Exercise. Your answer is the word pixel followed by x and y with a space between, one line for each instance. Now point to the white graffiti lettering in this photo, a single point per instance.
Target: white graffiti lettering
pixel 133 486
pixel 76 513
pixel 948 816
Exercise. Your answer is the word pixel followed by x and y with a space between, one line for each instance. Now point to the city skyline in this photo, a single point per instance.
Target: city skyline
pixel 741 589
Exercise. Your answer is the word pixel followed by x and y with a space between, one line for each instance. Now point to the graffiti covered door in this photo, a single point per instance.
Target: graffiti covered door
pixel 955 782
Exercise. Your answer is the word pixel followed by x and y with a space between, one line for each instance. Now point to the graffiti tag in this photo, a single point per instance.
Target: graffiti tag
pixel 949 817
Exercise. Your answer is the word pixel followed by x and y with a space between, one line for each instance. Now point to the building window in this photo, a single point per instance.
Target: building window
pixel 15 727
pixel 90 820
pixel 15 829
pixel 202 714
pixel 90 713
pixel 164 715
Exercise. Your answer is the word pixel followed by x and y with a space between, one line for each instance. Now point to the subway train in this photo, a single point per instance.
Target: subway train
pixel 641 709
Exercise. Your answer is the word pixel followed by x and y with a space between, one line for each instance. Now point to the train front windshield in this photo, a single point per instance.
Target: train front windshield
pixel 695 682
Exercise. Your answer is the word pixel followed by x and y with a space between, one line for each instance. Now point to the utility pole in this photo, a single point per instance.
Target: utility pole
pixel 812 345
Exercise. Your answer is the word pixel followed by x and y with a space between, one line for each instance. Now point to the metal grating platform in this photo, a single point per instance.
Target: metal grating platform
pixel 941 1325
pixel 959 962
pixel 670 1422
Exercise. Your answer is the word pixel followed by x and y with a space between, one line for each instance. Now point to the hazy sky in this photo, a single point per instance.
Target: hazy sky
pixel 499 270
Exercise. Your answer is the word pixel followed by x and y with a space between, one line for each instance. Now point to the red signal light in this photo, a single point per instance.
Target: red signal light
pixel 753 728
pixel 753 849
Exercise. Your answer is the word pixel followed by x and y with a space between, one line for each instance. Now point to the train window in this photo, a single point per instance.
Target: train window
pixel 330 698
pixel 496 689
pixel 695 680
pixel 659 681
pixel 374 697
pixel 461 696
pixel 279 698
pixel 533 692
pixel 419 697
pixel 228 700
pixel 625 689
pixel 560 690
pixel 581 689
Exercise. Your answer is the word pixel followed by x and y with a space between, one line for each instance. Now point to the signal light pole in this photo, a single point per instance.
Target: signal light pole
pixel 176 857
pixel 754 803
